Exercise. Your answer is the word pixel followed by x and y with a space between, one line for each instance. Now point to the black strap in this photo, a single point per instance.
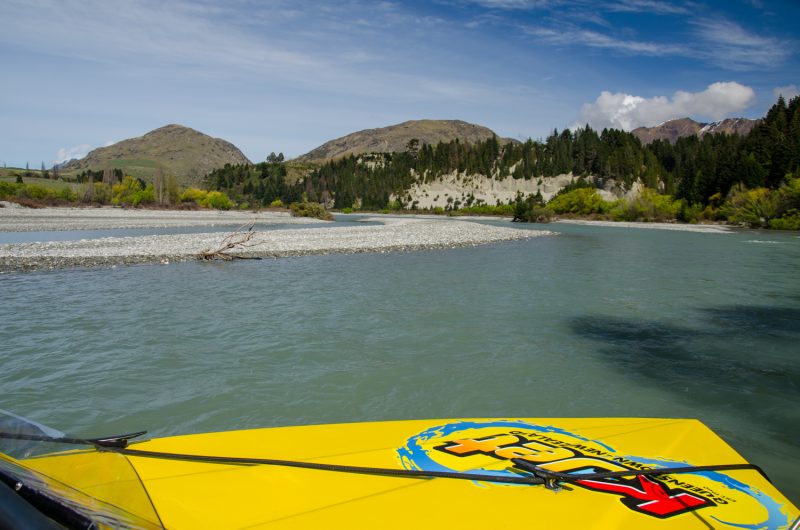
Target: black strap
pixel 412 473
pixel 536 476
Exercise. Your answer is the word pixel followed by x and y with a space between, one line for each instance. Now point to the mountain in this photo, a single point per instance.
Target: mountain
pixel 395 138
pixel 680 128
pixel 186 153
pixel 65 163
pixel 740 126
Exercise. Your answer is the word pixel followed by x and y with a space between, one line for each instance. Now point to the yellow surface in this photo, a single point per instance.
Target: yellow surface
pixel 102 483
pixel 203 495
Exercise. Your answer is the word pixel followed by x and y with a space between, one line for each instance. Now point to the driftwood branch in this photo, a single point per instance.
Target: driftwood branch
pixel 240 239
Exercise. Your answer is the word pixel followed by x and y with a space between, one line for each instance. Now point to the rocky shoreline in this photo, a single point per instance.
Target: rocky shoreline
pixel 16 219
pixel 680 227
pixel 393 235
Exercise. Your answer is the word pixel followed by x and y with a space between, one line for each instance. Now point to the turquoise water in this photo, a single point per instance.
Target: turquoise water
pixel 596 321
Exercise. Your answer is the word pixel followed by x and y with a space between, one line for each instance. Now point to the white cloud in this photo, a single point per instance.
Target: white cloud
pixel 733 47
pixel 788 92
pixel 515 4
pixel 283 46
pixel 68 153
pixel 713 40
pixel 657 7
pixel 573 35
pixel 626 111
pixel 647 6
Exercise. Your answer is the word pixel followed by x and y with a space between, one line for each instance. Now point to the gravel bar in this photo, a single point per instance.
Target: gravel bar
pixel 680 227
pixel 393 236
pixel 16 219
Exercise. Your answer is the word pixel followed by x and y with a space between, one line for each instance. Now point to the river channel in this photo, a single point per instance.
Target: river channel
pixel 594 321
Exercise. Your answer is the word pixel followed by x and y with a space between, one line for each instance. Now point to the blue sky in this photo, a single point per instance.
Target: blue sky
pixel 290 75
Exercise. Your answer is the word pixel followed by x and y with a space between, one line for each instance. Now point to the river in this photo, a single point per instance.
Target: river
pixel 594 321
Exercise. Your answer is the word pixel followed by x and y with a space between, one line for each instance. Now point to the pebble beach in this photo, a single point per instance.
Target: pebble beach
pixel 390 235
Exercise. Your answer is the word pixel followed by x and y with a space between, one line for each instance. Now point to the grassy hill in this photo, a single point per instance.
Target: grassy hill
pixel 35 177
pixel 395 138
pixel 177 150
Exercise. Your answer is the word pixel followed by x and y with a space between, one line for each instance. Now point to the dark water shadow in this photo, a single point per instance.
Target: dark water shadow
pixel 758 318
pixel 724 363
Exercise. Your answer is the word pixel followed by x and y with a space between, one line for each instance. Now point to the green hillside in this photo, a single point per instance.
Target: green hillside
pixel 176 150
pixel 395 139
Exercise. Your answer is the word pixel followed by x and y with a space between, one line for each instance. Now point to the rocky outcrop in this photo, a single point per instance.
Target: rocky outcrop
pixel 459 190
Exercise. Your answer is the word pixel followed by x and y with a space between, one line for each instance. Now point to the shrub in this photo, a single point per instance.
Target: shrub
pixel 485 209
pixel 762 207
pixel 277 203
pixel 217 200
pixel 7 189
pixel 193 195
pixel 34 191
pixel 534 214
pixel 36 195
pixel 146 196
pixel 347 210
pixel 790 194
pixel 530 209
pixel 648 206
pixel 131 192
pixel 691 213
pixel 581 201
pixel 754 207
pixel 310 209
pixel 101 194
pixel 790 221
pixel 712 210
pixel 68 195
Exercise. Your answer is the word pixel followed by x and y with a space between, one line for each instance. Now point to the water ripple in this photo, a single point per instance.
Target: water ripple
pixel 597 322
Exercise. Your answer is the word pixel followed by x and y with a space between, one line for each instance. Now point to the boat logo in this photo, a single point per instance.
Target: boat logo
pixel 487 448
pixel 641 493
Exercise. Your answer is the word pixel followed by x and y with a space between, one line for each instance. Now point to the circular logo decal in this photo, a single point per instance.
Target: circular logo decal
pixel 487 447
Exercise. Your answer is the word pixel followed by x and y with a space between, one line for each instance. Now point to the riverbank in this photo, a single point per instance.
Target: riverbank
pixel 17 219
pixel 682 227
pixel 392 235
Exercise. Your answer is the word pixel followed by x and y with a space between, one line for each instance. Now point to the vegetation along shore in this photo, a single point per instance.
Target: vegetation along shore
pixel 749 179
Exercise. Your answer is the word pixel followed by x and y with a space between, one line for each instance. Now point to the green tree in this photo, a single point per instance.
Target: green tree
pixel 132 192
pixel 582 201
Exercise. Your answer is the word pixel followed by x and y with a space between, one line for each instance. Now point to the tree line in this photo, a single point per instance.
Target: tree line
pixel 261 184
pixel 696 170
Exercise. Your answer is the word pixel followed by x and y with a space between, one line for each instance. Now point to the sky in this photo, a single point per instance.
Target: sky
pixel 289 75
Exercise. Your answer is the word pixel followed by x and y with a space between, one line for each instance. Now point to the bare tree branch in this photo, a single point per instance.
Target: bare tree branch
pixel 240 239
